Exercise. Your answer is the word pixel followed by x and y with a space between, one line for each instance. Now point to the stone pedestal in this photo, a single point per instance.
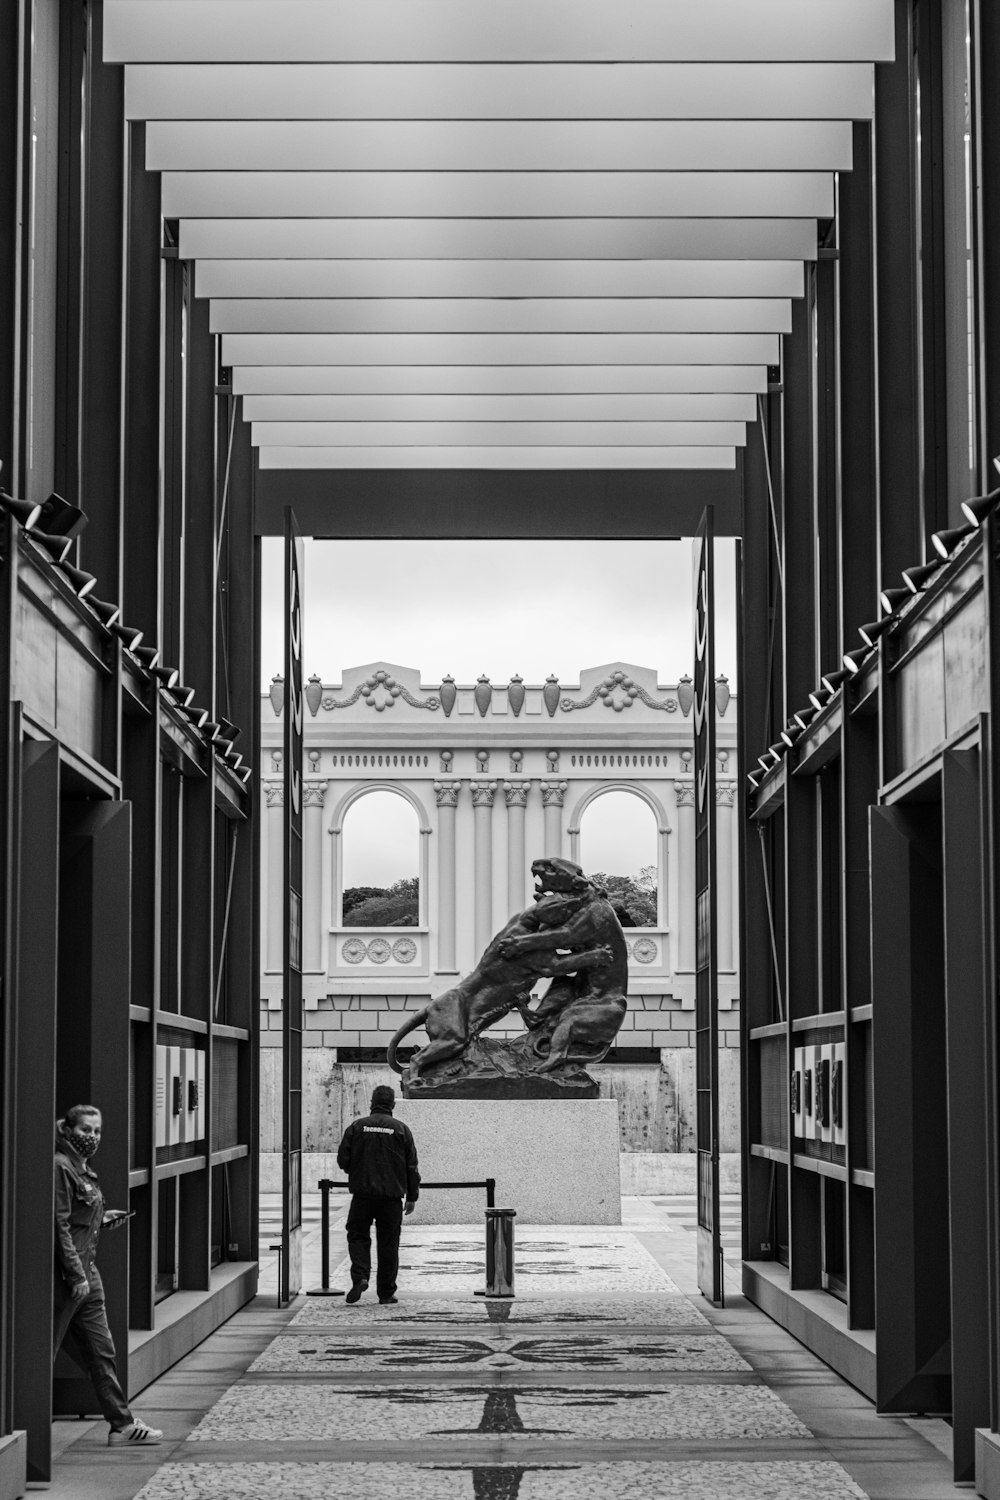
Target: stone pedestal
pixel 556 1161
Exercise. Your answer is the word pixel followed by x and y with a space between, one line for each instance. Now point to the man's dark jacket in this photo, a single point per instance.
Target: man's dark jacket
pixel 379 1157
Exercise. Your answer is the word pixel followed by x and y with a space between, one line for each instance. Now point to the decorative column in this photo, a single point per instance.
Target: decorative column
pixel 274 792
pixel 724 797
pixel 446 793
pixel 483 793
pixel 553 795
pixel 516 796
pixel 313 798
pixel 685 876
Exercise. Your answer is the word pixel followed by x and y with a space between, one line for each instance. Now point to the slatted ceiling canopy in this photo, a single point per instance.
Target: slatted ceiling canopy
pixel 499 145
pixel 494 91
pixel 516 31
pixel 389 457
pixel 495 381
pixel 311 316
pixel 619 239
pixel 498 278
pixel 461 234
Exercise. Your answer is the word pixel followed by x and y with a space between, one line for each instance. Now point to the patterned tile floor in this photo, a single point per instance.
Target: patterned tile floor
pixel 607 1376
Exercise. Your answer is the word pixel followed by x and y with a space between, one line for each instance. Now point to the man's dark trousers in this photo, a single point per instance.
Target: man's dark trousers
pixel 387 1215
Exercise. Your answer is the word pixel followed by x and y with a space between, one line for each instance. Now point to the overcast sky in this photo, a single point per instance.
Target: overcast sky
pixel 496 607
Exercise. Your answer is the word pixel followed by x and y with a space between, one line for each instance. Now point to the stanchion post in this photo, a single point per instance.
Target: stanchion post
pixel 323 1290
pixel 278 1247
pixel 491 1192
pixel 500 1252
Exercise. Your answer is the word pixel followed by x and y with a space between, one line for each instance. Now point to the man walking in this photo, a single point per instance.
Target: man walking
pixel 380 1159
pixel 80 1318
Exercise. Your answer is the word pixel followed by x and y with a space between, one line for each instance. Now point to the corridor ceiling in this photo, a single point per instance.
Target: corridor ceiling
pixel 530 234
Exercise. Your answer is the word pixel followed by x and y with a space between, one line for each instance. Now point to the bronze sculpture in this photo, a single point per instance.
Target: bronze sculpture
pixel 572 936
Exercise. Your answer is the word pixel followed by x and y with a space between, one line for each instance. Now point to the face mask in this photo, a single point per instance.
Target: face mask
pixel 85 1145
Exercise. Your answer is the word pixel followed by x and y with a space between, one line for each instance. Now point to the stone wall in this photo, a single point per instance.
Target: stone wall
pixel 370 1020
pixel 656 1100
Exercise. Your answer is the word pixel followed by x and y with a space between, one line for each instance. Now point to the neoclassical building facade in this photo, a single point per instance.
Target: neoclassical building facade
pixel 494 776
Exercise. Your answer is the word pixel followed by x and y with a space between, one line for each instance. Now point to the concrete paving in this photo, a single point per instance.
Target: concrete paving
pixel 607 1376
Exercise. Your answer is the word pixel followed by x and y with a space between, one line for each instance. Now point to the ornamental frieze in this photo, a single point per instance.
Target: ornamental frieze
pixel 619 691
pixel 380 691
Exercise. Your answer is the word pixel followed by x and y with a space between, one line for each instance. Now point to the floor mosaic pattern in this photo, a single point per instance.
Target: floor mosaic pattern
pixel 479 1351
pixel 791 1480
pixel 297 1412
pixel 601 1378
pixel 671 1311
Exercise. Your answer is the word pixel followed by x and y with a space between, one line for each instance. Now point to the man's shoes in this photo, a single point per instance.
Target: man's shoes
pixel 135 1433
pixel 388 1301
pixel 356 1290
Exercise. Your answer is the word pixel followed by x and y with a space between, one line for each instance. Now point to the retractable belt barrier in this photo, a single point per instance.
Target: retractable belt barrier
pixel 499 1239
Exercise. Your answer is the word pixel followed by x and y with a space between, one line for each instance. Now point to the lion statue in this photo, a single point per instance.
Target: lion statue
pixel 571 936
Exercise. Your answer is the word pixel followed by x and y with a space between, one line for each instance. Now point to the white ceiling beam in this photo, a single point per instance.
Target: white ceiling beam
pixel 499 348
pixel 495 380
pixel 473 315
pixel 486 91
pixel 499 278
pixel 492 238
pixel 518 30
pixel 499 146
pixel 497 458
pixel 607 407
pixel 498 434
pixel 353 195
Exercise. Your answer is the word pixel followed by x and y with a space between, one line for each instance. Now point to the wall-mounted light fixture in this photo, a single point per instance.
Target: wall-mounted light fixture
pixel 147 656
pixel 169 677
pixel 871 632
pixel 129 637
pixel 106 612
pixel 805 716
pixel 80 582
pixel 853 659
pixel 946 542
pixel 184 695
pixel 978 508
pixel 754 778
pixel 791 732
pixel 195 715
pixel 833 680
pixel 891 599
pixel 58 547
pixel 25 513
pixel 918 577
pixel 820 697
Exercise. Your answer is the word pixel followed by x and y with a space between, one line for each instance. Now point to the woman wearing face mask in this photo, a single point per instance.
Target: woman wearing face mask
pixel 80 1318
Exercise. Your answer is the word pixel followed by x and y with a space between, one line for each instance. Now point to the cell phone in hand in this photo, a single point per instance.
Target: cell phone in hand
pixel 117 1216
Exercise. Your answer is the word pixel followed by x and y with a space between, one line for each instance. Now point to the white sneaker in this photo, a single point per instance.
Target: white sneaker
pixel 135 1432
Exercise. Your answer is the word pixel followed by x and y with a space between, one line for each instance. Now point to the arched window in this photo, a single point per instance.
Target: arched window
pixel 380 874
pixel 619 843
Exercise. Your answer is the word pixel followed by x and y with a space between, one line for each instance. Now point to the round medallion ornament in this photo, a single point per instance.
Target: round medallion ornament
pixel 378 950
pixel 354 951
pixel 644 950
pixel 404 950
